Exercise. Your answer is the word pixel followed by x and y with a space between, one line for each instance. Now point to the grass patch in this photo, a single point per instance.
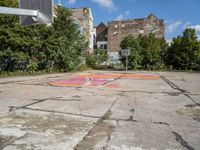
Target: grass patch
pixel 5 74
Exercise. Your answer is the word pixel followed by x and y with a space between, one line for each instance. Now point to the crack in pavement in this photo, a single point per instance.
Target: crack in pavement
pixel 100 125
pixel 58 99
pixel 174 86
pixel 150 92
pixel 180 139
pixel 132 110
pixel 104 118
pixel 25 106
pixel 36 84
pixel 53 111
pixel 198 104
pixel 18 81
pixel 177 136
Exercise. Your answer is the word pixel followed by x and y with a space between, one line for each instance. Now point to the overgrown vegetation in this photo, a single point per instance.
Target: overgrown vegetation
pixel 98 59
pixel 58 47
pixel 184 53
pixel 149 52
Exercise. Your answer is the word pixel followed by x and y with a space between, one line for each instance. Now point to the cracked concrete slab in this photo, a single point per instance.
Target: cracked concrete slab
pixel 142 136
pixel 144 85
pixel 153 108
pixel 184 80
pixel 20 95
pixel 87 106
pixel 40 130
pixel 136 114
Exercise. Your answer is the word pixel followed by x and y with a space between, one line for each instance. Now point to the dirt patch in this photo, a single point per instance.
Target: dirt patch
pixel 190 111
pixel 5 141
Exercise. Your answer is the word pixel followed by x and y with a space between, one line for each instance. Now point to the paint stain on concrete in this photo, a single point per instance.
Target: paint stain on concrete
pixel 113 86
pixel 190 111
pixel 94 80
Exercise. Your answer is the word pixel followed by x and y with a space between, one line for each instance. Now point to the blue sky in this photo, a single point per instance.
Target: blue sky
pixel 178 14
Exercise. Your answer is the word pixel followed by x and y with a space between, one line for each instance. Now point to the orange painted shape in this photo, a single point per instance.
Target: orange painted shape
pixel 112 85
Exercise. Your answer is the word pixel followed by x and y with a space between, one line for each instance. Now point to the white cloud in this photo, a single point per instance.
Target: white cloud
pixel 198 36
pixel 127 13
pixel 196 27
pixel 173 26
pixel 123 16
pixel 186 25
pixel 109 4
pixel 120 17
pixel 71 1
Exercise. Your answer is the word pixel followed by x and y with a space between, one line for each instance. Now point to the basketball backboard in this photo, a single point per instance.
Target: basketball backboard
pixel 125 52
pixel 44 8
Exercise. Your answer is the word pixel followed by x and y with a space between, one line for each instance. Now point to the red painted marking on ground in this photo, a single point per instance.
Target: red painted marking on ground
pixel 93 80
pixel 99 81
pixel 141 76
pixel 70 82
pixel 113 86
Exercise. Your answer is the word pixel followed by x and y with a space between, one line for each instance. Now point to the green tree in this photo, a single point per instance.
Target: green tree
pixel 184 53
pixel 67 41
pixel 55 47
pixel 134 60
pixel 152 51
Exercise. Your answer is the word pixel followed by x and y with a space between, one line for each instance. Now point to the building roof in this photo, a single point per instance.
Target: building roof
pixel 101 24
pixel 81 8
pixel 130 20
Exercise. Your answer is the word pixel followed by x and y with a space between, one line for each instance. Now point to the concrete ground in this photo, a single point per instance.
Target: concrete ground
pixel 101 110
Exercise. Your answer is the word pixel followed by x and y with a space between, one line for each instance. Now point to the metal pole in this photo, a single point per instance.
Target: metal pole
pixel 126 63
pixel 19 12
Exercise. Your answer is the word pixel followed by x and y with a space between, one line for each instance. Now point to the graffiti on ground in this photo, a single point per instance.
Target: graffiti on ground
pixel 106 80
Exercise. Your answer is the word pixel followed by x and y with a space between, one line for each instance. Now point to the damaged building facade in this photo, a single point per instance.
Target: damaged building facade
pixel 109 37
pixel 84 18
pixel 118 30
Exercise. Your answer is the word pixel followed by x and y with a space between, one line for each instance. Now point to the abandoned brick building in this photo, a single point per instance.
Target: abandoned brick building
pixel 117 30
pixel 101 36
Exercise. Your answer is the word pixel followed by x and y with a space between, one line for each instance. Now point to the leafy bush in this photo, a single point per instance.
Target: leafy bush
pixel 91 60
pixel 97 59
pixel 32 67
